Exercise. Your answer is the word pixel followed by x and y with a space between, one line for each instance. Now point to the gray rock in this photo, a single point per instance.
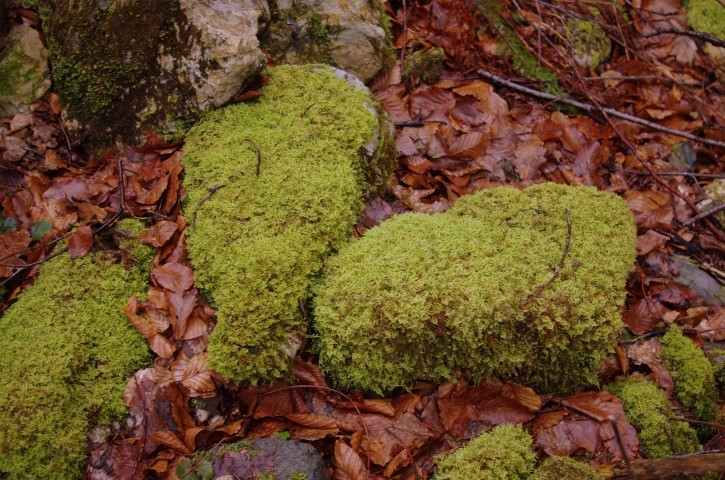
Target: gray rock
pixel 24 72
pixel 171 61
pixel 351 35
pixel 292 457
pixel 698 280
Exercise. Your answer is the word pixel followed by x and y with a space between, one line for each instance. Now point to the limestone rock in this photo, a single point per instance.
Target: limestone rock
pixel 191 57
pixel 24 72
pixel 352 35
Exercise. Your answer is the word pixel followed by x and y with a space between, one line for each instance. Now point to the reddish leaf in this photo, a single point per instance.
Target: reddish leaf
pixel 80 242
pixel 158 234
pixel 348 465
pixel 173 276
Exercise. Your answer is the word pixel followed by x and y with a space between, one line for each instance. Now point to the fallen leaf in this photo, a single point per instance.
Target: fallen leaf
pixel 80 242
pixel 348 464
pixel 173 276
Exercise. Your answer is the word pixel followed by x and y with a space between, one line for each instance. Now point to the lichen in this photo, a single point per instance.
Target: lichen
pixel 421 297
pixel 692 372
pixel 706 16
pixel 258 242
pixel 647 410
pixel 504 453
pixel 563 468
pixel 426 64
pixel 67 353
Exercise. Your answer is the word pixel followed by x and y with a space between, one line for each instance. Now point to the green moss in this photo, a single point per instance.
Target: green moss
pixel 257 243
pixel 693 374
pixel 563 468
pixel 504 453
pixel 523 61
pixel 426 64
pixel 590 43
pixel 423 296
pixel 66 353
pixel 647 410
pixel 706 16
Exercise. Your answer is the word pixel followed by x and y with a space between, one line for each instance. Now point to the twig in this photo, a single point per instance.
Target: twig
pixel 121 207
pixel 538 291
pixel 620 442
pixel 259 152
pixel 678 174
pixel 303 113
pixel 657 332
pixel 209 193
pixel 698 422
pixel 700 35
pixel 411 123
pixel 592 109
pixel 706 214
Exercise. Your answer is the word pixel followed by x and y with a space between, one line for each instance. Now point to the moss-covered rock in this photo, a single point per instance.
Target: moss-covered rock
pixel 66 353
pixel 24 72
pixel 426 64
pixel 504 453
pixel 588 42
pixel 647 410
pixel 693 373
pixel 422 296
pixel 259 241
pixel 563 468
pixel 706 16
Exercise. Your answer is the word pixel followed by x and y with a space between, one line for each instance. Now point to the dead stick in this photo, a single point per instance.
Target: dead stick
pixel 620 443
pixel 668 467
pixel 538 291
pixel 698 422
pixel 592 109
pixel 259 152
pixel 700 35
pixel 703 215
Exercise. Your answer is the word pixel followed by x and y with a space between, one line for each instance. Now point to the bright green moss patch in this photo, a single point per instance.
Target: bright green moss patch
pixel 66 353
pixel 422 296
pixel 647 410
pixel 504 453
pixel 258 242
pixel 706 16
pixel 693 374
pixel 563 468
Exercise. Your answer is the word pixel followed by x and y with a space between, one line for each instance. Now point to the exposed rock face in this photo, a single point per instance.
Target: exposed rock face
pixel 24 72
pixel 351 35
pixel 190 56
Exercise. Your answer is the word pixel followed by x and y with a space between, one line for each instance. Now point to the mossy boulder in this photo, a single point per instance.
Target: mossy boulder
pixel 24 72
pixel 647 410
pixel 421 297
pixel 692 372
pixel 117 83
pixel 289 173
pixel 66 353
pixel 504 453
pixel 563 468
pixel 706 16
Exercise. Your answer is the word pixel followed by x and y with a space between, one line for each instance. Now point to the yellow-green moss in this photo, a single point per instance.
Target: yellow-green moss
pixel 706 16
pixel 258 242
pixel 647 410
pixel 589 42
pixel 693 374
pixel 563 468
pixel 504 453
pixel 422 296
pixel 66 353
pixel 426 64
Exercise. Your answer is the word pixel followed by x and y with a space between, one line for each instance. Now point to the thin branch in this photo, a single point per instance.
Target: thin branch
pixel 538 291
pixel 592 109
pixel 698 422
pixel 620 443
pixel 699 35
pixel 678 174
pixel 259 152
pixel 703 215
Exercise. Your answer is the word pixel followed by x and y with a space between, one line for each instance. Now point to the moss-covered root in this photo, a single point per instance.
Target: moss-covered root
pixel 258 241
pixel 647 410
pixel 693 373
pixel 66 353
pixel 423 296
pixel 504 453
pixel 563 468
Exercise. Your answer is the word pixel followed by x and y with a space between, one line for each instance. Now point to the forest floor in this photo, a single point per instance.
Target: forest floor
pixel 471 128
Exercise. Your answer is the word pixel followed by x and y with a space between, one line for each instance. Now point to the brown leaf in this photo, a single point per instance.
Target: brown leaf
pixel 650 241
pixel 348 464
pixel 10 243
pixel 651 209
pixel 313 421
pixel 80 242
pixel 158 234
pixel 173 276
pixel 376 211
pixel 169 439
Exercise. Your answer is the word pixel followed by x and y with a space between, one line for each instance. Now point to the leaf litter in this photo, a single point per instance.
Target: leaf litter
pixel 456 136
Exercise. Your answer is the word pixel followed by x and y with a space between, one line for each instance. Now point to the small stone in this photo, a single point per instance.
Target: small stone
pixel 24 71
